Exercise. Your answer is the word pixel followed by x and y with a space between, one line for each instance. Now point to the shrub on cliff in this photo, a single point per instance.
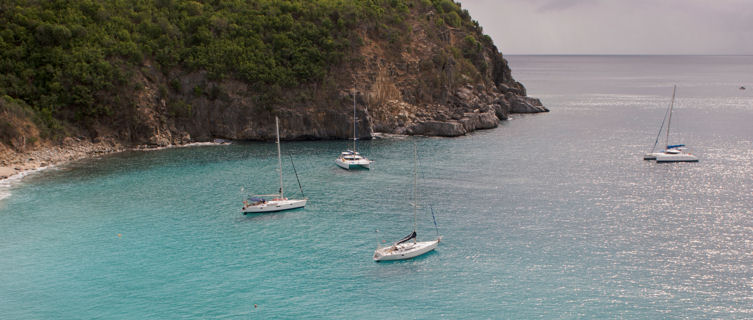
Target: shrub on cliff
pixel 74 60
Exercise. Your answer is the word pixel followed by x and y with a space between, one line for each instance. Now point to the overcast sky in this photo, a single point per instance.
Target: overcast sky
pixel 616 26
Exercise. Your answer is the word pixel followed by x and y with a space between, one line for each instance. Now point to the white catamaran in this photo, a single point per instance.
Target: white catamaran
pixel 672 153
pixel 405 248
pixel 351 159
pixel 276 202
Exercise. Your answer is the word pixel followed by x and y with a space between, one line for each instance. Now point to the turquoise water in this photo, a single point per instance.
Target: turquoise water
pixel 548 216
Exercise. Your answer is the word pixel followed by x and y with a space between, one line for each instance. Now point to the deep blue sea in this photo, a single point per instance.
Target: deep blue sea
pixel 550 215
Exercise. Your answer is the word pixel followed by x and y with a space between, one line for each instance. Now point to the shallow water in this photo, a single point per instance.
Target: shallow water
pixel 549 215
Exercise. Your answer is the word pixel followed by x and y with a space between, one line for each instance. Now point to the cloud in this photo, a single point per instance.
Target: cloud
pixel 617 27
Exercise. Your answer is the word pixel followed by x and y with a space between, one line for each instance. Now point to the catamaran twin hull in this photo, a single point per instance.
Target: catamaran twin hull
pixel 679 157
pixel 274 206
pixel 405 250
pixel 356 164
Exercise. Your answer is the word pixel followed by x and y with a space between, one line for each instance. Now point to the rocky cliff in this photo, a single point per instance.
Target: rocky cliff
pixel 419 67
pixel 425 87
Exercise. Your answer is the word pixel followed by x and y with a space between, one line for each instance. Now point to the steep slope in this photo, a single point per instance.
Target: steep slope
pixel 172 72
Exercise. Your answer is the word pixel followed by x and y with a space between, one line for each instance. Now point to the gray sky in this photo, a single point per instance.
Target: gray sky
pixel 616 26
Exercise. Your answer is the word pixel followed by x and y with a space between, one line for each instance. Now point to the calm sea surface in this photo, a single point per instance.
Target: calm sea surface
pixel 548 216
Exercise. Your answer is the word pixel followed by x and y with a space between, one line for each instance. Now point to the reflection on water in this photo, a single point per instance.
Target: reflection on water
pixel 550 215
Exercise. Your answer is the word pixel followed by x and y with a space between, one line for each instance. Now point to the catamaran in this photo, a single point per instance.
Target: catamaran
pixel 274 202
pixel 672 153
pixel 405 248
pixel 676 153
pixel 351 159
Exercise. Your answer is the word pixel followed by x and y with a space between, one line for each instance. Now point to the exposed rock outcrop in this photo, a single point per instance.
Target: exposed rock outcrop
pixel 522 104
pixel 69 149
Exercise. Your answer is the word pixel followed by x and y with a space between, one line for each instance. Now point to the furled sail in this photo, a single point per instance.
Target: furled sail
pixel 408 237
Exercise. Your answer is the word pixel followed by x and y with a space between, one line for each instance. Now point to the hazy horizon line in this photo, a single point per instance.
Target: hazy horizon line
pixel 632 54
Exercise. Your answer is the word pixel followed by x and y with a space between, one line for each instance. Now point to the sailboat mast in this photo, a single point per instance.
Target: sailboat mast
pixel 279 157
pixel 415 185
pixel 669 120
pixel 354 118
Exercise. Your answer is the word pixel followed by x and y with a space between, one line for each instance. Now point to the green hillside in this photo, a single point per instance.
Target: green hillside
pixel 67 65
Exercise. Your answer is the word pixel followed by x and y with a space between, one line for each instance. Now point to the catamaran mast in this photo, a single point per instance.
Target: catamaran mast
pixel 669 120
pixel 279 157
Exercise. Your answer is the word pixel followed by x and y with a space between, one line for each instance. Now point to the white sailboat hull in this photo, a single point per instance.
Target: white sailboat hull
pixel 353 164
pixel 274 206
pixel 676 157
pixel 405 250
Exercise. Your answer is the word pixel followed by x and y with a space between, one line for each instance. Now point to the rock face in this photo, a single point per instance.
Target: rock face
pixel 420 76
pixel 443 81
pixel 182 116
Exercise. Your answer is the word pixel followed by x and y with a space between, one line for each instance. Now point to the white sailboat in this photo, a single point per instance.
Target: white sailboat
pixel 672 153
pixel 405 248
pixel 351 159
pixel 273 202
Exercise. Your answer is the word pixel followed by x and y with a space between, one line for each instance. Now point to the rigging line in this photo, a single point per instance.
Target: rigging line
pixel 421 170
pixel 291 196
pixel 422 174
pixel 436 227
pixel 296 175
pixel 660 130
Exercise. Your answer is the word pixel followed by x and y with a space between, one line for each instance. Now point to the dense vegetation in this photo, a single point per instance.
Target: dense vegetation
pixel 72 61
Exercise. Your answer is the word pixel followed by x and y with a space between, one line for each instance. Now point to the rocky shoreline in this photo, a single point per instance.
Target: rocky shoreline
pixel 468 111
pixel 14 163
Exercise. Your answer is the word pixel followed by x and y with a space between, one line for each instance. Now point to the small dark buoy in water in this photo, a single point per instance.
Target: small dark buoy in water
pixel 254 305
pixel 742 88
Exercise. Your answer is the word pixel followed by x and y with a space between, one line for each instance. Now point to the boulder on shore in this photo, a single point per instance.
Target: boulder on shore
pixel 523 104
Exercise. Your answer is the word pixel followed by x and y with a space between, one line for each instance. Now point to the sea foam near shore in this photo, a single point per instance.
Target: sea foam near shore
pixel 8 183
